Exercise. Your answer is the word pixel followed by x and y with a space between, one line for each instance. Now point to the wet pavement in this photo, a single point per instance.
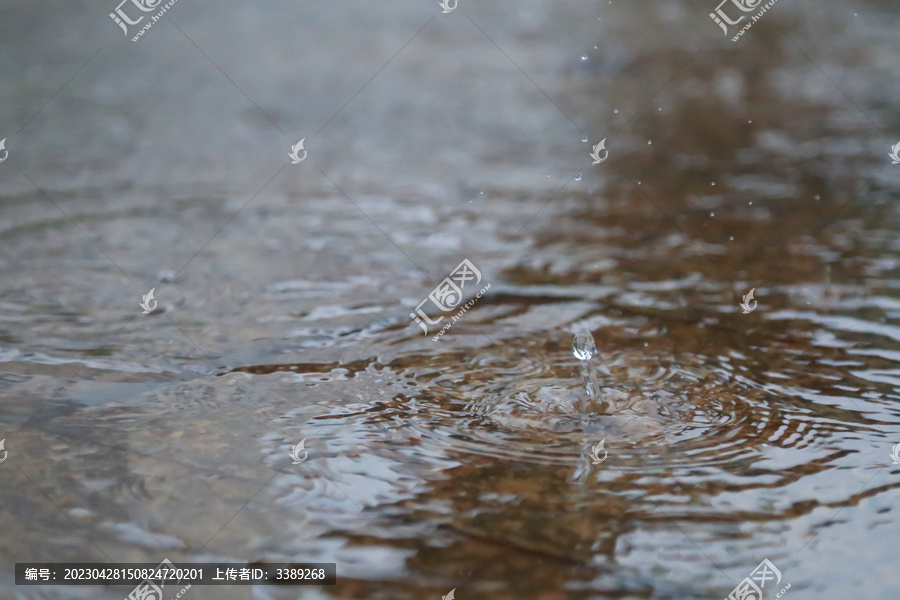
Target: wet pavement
pixel 285 291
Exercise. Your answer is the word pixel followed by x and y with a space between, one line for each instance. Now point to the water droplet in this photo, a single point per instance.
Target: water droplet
pixel 481 193
pixel 731 237
pixel 712 214
pixel 713 183
pixel 584 139
pixel 750 203
pixel 646 344
pixel 595 47
pixel 649 142
pixel 750 121
pixel 583 346
pixel 548 176
pixel 470 202
pixel 616 111
pixel 639 183
pixel 584 57
pixel 578 177
pixel 817 197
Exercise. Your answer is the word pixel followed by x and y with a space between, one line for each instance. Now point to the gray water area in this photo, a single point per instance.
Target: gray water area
pixel 285 290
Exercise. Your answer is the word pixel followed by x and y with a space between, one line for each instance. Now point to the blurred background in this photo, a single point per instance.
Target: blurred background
pixel 285 290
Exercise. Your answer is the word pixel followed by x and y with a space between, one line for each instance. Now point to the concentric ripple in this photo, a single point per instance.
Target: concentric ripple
pixel 653 411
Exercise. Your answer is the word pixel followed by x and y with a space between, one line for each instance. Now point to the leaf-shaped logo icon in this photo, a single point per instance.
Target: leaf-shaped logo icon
pixel 747 5
pixel 895 154
pixel 148 304
pixel 295 156
pixel 147 5
pixel 595 452
pixel 749 304
pixel 296 450
pixel 601 145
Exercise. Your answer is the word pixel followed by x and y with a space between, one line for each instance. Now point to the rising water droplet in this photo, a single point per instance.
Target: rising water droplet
pixel 649 142
pixel 595 47
pixel 583 346
pixel 712 214
pixel 713 183
pixel 616 111
pixel 578 177
pixel 584 57
pixel 731 237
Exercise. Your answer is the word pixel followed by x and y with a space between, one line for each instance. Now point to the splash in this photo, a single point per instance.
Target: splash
pixel 584 348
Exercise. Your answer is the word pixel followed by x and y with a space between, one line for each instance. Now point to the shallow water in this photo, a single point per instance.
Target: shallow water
pixel 285 291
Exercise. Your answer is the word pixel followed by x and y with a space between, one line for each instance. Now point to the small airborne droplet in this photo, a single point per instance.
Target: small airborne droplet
pixel 616 111
pixel 584 57
pixel 583 346
pixel 578 177
pixel 584 139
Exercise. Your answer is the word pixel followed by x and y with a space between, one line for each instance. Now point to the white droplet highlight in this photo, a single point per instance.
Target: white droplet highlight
pixel 583 346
